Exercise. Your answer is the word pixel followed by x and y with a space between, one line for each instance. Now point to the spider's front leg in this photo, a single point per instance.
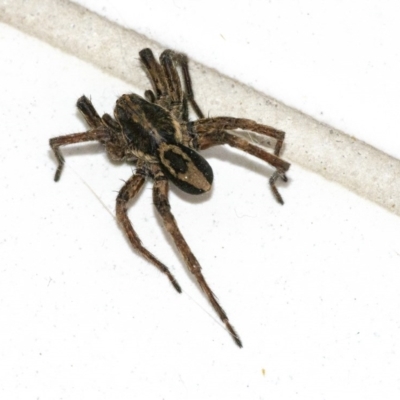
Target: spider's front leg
pixel 97 133
pixel 211 132
pixel 167 59
pixel 160 198
pixel 167 84
pixel 131 188
pixel 55 143
pixel 182 59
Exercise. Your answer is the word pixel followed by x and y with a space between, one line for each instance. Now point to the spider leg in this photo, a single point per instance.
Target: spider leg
pixel 213 125
pixel 128 192
pixel 90 114
pixel 166 82
pixel 160 198
pixel 178 102
pixel 100 134
pixel 207 140
pixel 183 61
pixel 155 72
pixel 172 77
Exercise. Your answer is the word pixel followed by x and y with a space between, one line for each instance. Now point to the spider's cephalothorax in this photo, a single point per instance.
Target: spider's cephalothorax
pixel 155 133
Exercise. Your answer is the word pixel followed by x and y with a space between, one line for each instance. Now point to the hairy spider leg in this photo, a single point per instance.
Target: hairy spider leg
pixel 99 134
pixel 165 78
pixel 182 60
pixel 179 104
pixel 172 78
pixel 213 139
pixel 160 198
pixel 167 61
pixel 211 133
pixel 129 191
pixel 156 74
pixel 219 124
pixel 90 114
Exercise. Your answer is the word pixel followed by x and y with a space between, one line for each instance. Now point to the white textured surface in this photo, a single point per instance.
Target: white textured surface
pixel 337 61
pixel 312 287
pixel 313 145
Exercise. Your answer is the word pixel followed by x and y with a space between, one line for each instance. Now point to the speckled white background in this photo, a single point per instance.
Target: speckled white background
pixel 312 287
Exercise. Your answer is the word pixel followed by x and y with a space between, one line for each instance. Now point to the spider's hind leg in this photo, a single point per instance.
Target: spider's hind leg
pixel 160 198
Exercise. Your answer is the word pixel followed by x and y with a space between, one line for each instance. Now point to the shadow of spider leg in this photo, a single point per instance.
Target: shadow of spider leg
pixel 211 132
pixel 128 192
pixel 160 199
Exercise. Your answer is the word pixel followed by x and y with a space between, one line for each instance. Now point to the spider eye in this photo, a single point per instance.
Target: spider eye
pixel 184 167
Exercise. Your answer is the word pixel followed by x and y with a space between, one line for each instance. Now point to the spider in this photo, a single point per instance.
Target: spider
pixel 156 135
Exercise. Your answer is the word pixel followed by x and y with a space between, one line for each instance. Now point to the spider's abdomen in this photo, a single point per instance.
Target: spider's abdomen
pixel 187 169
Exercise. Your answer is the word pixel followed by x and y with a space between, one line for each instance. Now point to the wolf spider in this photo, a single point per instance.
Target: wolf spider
pixel 156 135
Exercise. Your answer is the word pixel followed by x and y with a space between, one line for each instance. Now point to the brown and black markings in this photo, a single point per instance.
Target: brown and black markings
pixel 155 133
